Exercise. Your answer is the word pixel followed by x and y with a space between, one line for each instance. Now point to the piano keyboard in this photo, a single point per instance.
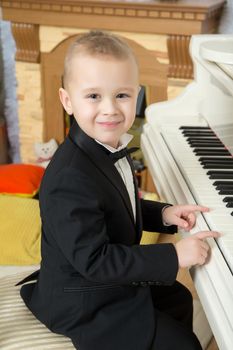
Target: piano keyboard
pixel 207 166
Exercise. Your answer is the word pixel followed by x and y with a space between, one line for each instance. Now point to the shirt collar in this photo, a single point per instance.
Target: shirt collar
pixel 123 142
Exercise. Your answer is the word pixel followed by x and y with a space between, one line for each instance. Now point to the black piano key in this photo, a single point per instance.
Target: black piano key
pixel 217 149
pixel 217 176
pixel 214 161
pixel 225 185
pixel 229 205
pixel 195 130
pixel 198 133
pixel 227 192
pixel 225 188
pixel 206 145
pixel 217 159
pixel 208 140
pixel 200 137
pixel 220 176
pixel 230 185
pixel 203 139
pixel 217 166
pixel 228 199
pixel 191 127
pixel 224 172
pixel 219 183
pixel 210 152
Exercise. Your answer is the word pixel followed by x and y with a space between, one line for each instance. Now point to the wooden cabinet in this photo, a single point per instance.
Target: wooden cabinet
pixel 178 20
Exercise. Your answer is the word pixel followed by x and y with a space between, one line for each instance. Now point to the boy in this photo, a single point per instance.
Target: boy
pixel 96 284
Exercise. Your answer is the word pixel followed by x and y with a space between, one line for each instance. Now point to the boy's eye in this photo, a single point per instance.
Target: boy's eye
pixel 122 95
pixel 93 96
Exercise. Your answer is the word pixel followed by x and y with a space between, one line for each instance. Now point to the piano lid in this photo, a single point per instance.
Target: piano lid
pixel 218 51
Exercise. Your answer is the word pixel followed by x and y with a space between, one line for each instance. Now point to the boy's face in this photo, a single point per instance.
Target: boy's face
pixel 102 95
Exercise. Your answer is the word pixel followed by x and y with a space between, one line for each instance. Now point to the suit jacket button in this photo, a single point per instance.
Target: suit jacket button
pixel 158 283
pixel 143 284
pixel 135 284
pixel 151 283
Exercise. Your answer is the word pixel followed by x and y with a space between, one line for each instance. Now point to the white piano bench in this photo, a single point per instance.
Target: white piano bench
pixel 19 329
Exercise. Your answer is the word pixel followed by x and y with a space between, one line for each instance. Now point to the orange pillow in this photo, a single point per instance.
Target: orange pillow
pixel 20 179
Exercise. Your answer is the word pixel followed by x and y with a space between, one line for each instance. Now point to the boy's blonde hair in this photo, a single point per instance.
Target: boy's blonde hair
pixel 97 43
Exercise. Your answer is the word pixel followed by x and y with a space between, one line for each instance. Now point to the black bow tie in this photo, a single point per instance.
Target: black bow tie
pixel 122 153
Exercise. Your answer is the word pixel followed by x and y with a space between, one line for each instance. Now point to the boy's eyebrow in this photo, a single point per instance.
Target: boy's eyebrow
pixel 91 89
pixel 128 88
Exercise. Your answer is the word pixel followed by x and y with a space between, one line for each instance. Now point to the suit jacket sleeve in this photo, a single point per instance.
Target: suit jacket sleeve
pixel 152 210
pixel 73 213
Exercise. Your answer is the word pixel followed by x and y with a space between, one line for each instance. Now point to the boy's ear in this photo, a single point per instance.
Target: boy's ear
pixel 65 100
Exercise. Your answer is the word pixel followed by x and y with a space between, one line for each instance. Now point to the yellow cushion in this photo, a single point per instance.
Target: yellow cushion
pixel 150 237
pixel 20 231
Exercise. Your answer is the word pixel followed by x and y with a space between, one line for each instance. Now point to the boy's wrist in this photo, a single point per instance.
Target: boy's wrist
pixel 162 213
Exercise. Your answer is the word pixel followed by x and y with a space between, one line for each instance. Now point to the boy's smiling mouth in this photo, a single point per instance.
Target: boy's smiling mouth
pixel 109 124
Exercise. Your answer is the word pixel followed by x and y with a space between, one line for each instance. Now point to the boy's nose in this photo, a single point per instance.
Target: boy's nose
pixel 108 106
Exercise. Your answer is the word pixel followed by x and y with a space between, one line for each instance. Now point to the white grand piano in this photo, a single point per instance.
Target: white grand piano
pixel 188 146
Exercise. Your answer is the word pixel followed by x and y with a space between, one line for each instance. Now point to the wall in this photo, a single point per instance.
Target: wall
pixel 10 102
pixel 30 109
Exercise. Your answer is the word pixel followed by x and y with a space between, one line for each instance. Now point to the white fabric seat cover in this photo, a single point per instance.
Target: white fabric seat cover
pixel 19 329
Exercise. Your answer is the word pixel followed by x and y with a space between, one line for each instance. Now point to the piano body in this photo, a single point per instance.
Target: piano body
pixel 188 146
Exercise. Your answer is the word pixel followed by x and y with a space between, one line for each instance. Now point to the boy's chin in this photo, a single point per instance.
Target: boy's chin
pixel 111 143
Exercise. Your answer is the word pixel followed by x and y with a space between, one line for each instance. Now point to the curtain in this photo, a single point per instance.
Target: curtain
pixel 226 21
pixel 9 104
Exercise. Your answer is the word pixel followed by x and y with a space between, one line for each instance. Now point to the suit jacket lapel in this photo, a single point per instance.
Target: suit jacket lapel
pixel 99 157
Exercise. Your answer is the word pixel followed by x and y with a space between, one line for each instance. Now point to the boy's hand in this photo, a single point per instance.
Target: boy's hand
pixel 193 250
pixel 182 215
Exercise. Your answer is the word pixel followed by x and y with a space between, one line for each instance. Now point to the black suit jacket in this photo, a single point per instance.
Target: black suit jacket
pixel 94 281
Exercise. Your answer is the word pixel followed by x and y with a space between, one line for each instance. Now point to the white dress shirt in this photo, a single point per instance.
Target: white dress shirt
pixel 124 168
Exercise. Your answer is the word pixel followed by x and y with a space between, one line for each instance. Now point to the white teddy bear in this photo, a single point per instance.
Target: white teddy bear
pixel 44 152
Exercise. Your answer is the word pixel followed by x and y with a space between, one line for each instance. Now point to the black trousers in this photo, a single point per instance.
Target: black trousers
pixel 174 312
pixel 173 307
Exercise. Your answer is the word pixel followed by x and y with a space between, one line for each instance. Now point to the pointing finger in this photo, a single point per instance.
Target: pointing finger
pixel 197 208
pixel 206 234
